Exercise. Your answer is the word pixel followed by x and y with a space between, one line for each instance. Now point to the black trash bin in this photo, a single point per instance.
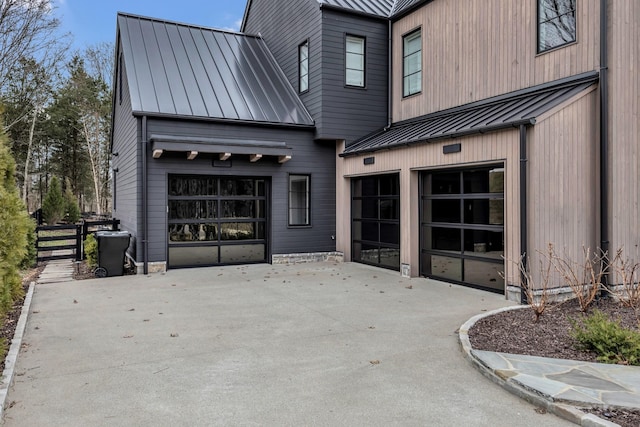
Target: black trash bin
pixel 112 246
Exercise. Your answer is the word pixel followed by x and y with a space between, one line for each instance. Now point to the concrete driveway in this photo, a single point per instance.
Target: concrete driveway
pixel 303 345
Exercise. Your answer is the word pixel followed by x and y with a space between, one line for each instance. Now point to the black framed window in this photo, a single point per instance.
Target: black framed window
pixel 556 23
pixel 303 66
pixel 354 61
pixel 412 63
pixel 299 200
pixel 375 220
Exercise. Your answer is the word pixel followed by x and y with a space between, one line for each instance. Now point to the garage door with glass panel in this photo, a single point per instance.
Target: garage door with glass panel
pixel 375 212
pixel 217 220
pixel 462 226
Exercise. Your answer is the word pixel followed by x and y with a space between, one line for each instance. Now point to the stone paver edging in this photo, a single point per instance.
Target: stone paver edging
pixel 533 396
pixel 14 349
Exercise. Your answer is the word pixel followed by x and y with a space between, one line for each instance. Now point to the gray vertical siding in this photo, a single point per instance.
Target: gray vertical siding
pixel 309 157
pixel 126 137
pixel 351 113
pixel 284 24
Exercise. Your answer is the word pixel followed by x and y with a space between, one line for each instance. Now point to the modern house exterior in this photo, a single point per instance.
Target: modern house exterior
pixel 463 134
pixel 215 160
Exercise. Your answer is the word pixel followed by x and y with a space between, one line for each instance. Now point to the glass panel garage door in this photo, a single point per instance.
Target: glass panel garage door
pixel 375 226
pixel 462 226
pixel 217 220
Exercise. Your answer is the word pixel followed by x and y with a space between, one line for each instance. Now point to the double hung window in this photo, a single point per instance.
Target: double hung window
pixel 412 63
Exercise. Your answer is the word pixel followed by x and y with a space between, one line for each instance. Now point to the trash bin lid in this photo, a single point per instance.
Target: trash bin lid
pixel 112 234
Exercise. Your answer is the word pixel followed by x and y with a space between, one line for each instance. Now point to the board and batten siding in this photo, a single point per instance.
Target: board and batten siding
pixel 284 25
pixel 494 148
pixel 563 183
pixel 127 180
pixel 624 127
pixel 347 112
pixel 475 49
pixel 308 157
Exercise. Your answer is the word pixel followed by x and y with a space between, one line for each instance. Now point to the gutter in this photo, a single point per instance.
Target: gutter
pixel 523 212
pixel 389 79
pixel 604 137
pixel 145 186
pixel 243 122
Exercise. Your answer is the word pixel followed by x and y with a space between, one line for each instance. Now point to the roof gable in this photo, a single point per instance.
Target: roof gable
pixel 183 70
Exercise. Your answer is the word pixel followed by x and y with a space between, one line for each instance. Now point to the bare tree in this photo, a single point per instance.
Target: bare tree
pixel 28 28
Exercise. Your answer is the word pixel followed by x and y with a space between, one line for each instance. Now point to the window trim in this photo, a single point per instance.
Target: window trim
pixel 364 61
pixel 404 56
pixel 539 49
pixel 307 224
pixel 120 79
pixel 305 43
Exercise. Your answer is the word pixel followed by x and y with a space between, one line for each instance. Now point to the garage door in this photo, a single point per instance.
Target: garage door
pixel 217 220
pixel 462 226
pixel 375 215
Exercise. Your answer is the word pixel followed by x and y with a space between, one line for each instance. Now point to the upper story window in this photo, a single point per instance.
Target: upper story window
pixel 412 63
pixel 556 23
pixel 303 67
pixel 354 61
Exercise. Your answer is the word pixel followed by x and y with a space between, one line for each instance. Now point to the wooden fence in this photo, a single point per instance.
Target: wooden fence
pixel 66 241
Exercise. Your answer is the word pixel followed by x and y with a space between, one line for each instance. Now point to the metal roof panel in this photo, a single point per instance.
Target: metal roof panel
pixel 191 71
pixel 513 109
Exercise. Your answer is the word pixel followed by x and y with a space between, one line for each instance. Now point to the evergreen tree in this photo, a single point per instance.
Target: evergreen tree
pixel 53 206
pixel 71 203
pixel 15 229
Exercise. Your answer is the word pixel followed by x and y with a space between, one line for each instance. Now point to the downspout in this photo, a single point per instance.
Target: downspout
pixel 145 184
pixel 604 137
pixel 389 79
pixel 523 212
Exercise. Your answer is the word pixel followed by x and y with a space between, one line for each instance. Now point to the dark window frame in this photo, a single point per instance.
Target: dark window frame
pixel 120 79
pixel 304 44
pixel 307 208
pixel 364 61
pixel 540 22
pixel 405 76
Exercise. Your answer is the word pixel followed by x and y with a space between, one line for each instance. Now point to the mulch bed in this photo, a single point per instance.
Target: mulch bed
pixel 516 332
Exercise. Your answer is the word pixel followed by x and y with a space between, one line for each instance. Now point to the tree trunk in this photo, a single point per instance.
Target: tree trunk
pixel 94 167
pixel 26 180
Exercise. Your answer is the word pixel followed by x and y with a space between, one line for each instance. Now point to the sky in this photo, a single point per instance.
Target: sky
pixel 94 21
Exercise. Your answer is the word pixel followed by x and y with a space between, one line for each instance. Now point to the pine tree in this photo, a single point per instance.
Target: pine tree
pixel 71 203
pixel 53 206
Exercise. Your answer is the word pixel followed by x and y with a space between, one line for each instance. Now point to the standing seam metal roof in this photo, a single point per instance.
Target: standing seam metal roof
pixel 382 8
pixel 513 109
pixel 184 70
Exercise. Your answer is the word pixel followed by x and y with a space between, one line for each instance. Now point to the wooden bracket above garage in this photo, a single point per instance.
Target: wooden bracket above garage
pixel 255 157
pixel 157 154
pixel 192 155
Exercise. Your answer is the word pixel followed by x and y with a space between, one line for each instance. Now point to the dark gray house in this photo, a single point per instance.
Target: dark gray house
pixel 215 157
pixel 336 56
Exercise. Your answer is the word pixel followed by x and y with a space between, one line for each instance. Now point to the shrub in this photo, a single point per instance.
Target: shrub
pixel 608 339
pixel 30 256
pixel 15 228
pixel 53 206
pixel 91 250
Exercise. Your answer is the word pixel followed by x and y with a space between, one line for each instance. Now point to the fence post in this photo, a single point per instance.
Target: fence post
pixel 79 248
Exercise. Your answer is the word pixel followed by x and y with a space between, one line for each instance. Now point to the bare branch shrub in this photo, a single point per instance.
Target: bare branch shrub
pixel 584 277
pixel 627 274
pixel 536 290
